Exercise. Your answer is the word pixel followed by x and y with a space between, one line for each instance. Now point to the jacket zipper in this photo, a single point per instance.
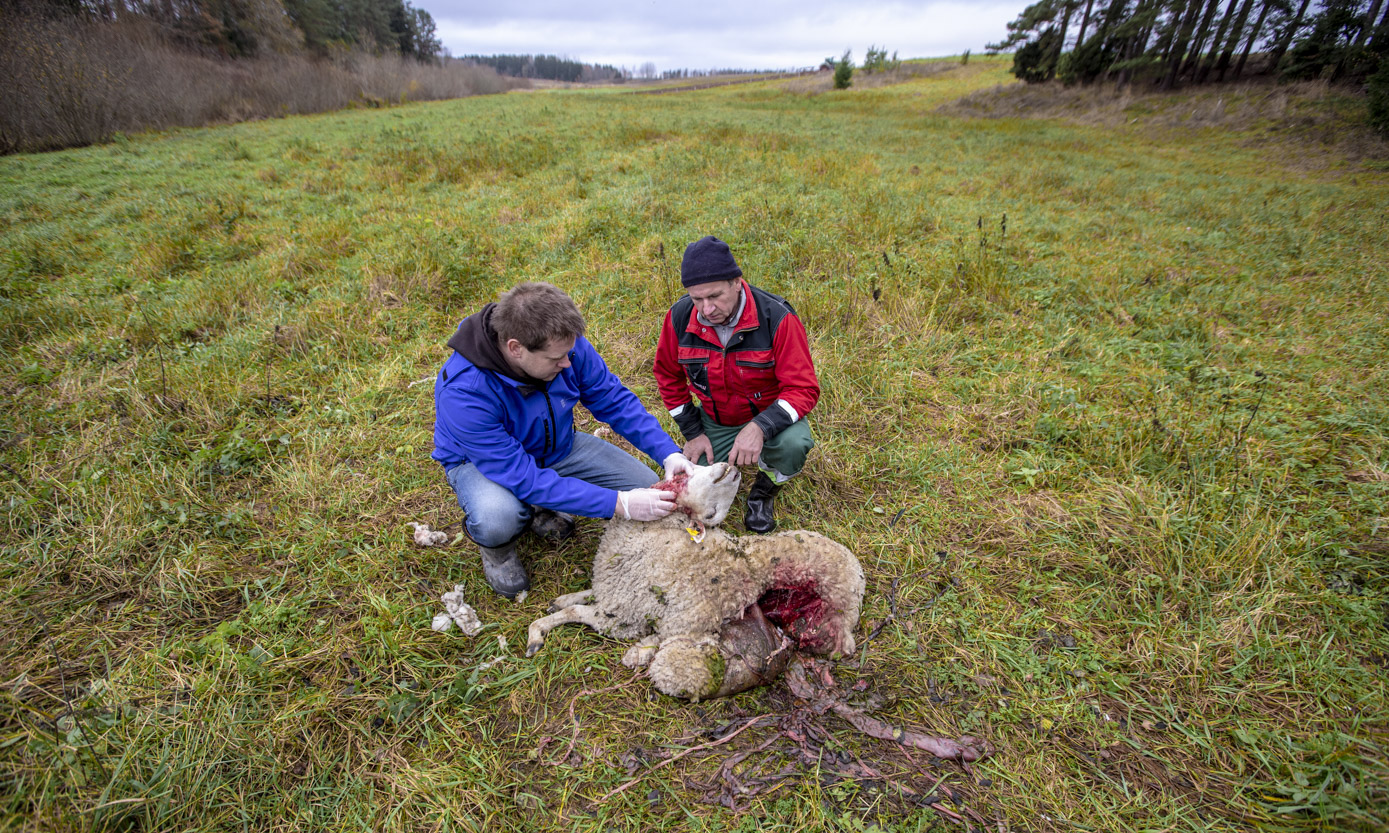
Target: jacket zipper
pixel 549 437
pixel 736 333
pixel 713 400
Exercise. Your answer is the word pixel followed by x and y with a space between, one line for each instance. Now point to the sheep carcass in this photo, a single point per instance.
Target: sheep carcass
pixel 715 614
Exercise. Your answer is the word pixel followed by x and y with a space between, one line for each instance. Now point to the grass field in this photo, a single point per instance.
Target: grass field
pixel 1104 417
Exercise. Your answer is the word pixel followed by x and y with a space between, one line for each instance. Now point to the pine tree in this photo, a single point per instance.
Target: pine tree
pixel 844 71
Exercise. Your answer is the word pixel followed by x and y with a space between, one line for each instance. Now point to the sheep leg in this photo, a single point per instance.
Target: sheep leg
pixel 574 614
pixel 571 599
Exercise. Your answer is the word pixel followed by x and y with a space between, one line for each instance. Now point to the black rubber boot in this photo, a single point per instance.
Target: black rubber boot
pixel 759 517
pixel 504 570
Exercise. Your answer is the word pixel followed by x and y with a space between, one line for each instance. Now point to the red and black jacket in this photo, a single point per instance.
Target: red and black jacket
pixel 767 359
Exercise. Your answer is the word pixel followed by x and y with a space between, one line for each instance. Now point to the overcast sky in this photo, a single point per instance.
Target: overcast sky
pixel 717 34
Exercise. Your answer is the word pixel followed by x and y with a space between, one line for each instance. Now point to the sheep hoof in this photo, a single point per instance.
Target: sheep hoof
pixel 533 648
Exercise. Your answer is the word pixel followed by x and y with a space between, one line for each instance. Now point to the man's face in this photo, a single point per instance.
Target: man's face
pixel 543 364
pixel 717 300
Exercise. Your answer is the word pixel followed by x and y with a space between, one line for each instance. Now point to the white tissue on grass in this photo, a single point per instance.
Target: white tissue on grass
pixel 457 612
pixel 427 538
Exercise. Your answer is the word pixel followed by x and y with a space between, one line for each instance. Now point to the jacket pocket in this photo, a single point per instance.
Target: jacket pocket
pixel 697 369
pixel 758 375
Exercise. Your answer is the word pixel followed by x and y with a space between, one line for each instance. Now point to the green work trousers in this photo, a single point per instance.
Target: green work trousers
pixel 783 456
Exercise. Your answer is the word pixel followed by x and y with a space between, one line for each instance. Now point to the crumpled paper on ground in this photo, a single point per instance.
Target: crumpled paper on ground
pixel 457 612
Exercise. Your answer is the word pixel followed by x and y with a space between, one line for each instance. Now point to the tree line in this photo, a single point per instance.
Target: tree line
pixel 255 28
pixel 548 67
pixel 76 72
pixel 553 68
pixel 1170 42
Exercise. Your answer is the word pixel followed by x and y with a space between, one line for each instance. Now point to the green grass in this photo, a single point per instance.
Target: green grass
pixel 1117 464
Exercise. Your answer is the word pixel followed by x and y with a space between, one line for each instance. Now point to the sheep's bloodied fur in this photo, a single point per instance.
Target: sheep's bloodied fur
pixel 706 496
pixel 697 605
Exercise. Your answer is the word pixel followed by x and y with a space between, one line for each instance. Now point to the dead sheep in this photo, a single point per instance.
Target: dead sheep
pixel 715 614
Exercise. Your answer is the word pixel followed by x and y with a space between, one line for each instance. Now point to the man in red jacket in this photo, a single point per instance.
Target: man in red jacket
pixel 742 354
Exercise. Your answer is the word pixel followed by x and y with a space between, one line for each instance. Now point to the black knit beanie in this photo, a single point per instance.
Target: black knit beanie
pixel 708 259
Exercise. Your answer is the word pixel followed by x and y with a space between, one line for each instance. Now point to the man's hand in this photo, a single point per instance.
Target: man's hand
pixel 747 448
pixel 675 463
pixel 644 504
pixel 699 447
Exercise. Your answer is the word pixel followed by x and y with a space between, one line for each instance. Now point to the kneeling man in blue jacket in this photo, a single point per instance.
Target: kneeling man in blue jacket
pixel 504 428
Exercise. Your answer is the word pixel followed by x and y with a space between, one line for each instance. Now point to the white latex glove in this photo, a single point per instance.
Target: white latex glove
pixel 676 463
pixel 644 504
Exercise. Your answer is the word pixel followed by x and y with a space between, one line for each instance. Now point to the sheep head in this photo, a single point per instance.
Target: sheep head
pixel 707 494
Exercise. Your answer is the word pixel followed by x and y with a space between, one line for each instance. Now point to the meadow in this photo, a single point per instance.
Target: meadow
pixel 1104 416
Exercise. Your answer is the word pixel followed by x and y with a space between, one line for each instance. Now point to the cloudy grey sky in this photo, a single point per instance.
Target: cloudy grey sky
pixel 710 34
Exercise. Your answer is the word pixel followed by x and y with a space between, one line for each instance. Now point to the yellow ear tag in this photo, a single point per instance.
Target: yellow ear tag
pixel 696 534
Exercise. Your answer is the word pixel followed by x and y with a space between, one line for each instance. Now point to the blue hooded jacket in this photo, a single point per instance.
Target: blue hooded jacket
pixel 512 429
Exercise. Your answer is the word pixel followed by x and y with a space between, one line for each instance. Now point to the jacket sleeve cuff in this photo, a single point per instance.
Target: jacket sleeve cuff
pixel 775 419
pixel 689 419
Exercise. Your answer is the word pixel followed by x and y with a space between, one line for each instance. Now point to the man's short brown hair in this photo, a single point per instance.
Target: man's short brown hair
pixel 535 313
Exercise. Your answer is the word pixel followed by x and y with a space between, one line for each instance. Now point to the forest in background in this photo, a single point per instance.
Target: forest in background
pixel 1167 42
pixel 550 67
pixel 254 28
pixel 79 72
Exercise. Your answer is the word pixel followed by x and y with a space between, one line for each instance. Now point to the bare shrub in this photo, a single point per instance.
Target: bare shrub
pixel 59 91
pixel 71 82
pixel 287 85
pixel 392 78
pixel 456 79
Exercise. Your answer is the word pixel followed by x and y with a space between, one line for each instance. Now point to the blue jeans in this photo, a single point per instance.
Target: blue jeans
pixel 494 517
